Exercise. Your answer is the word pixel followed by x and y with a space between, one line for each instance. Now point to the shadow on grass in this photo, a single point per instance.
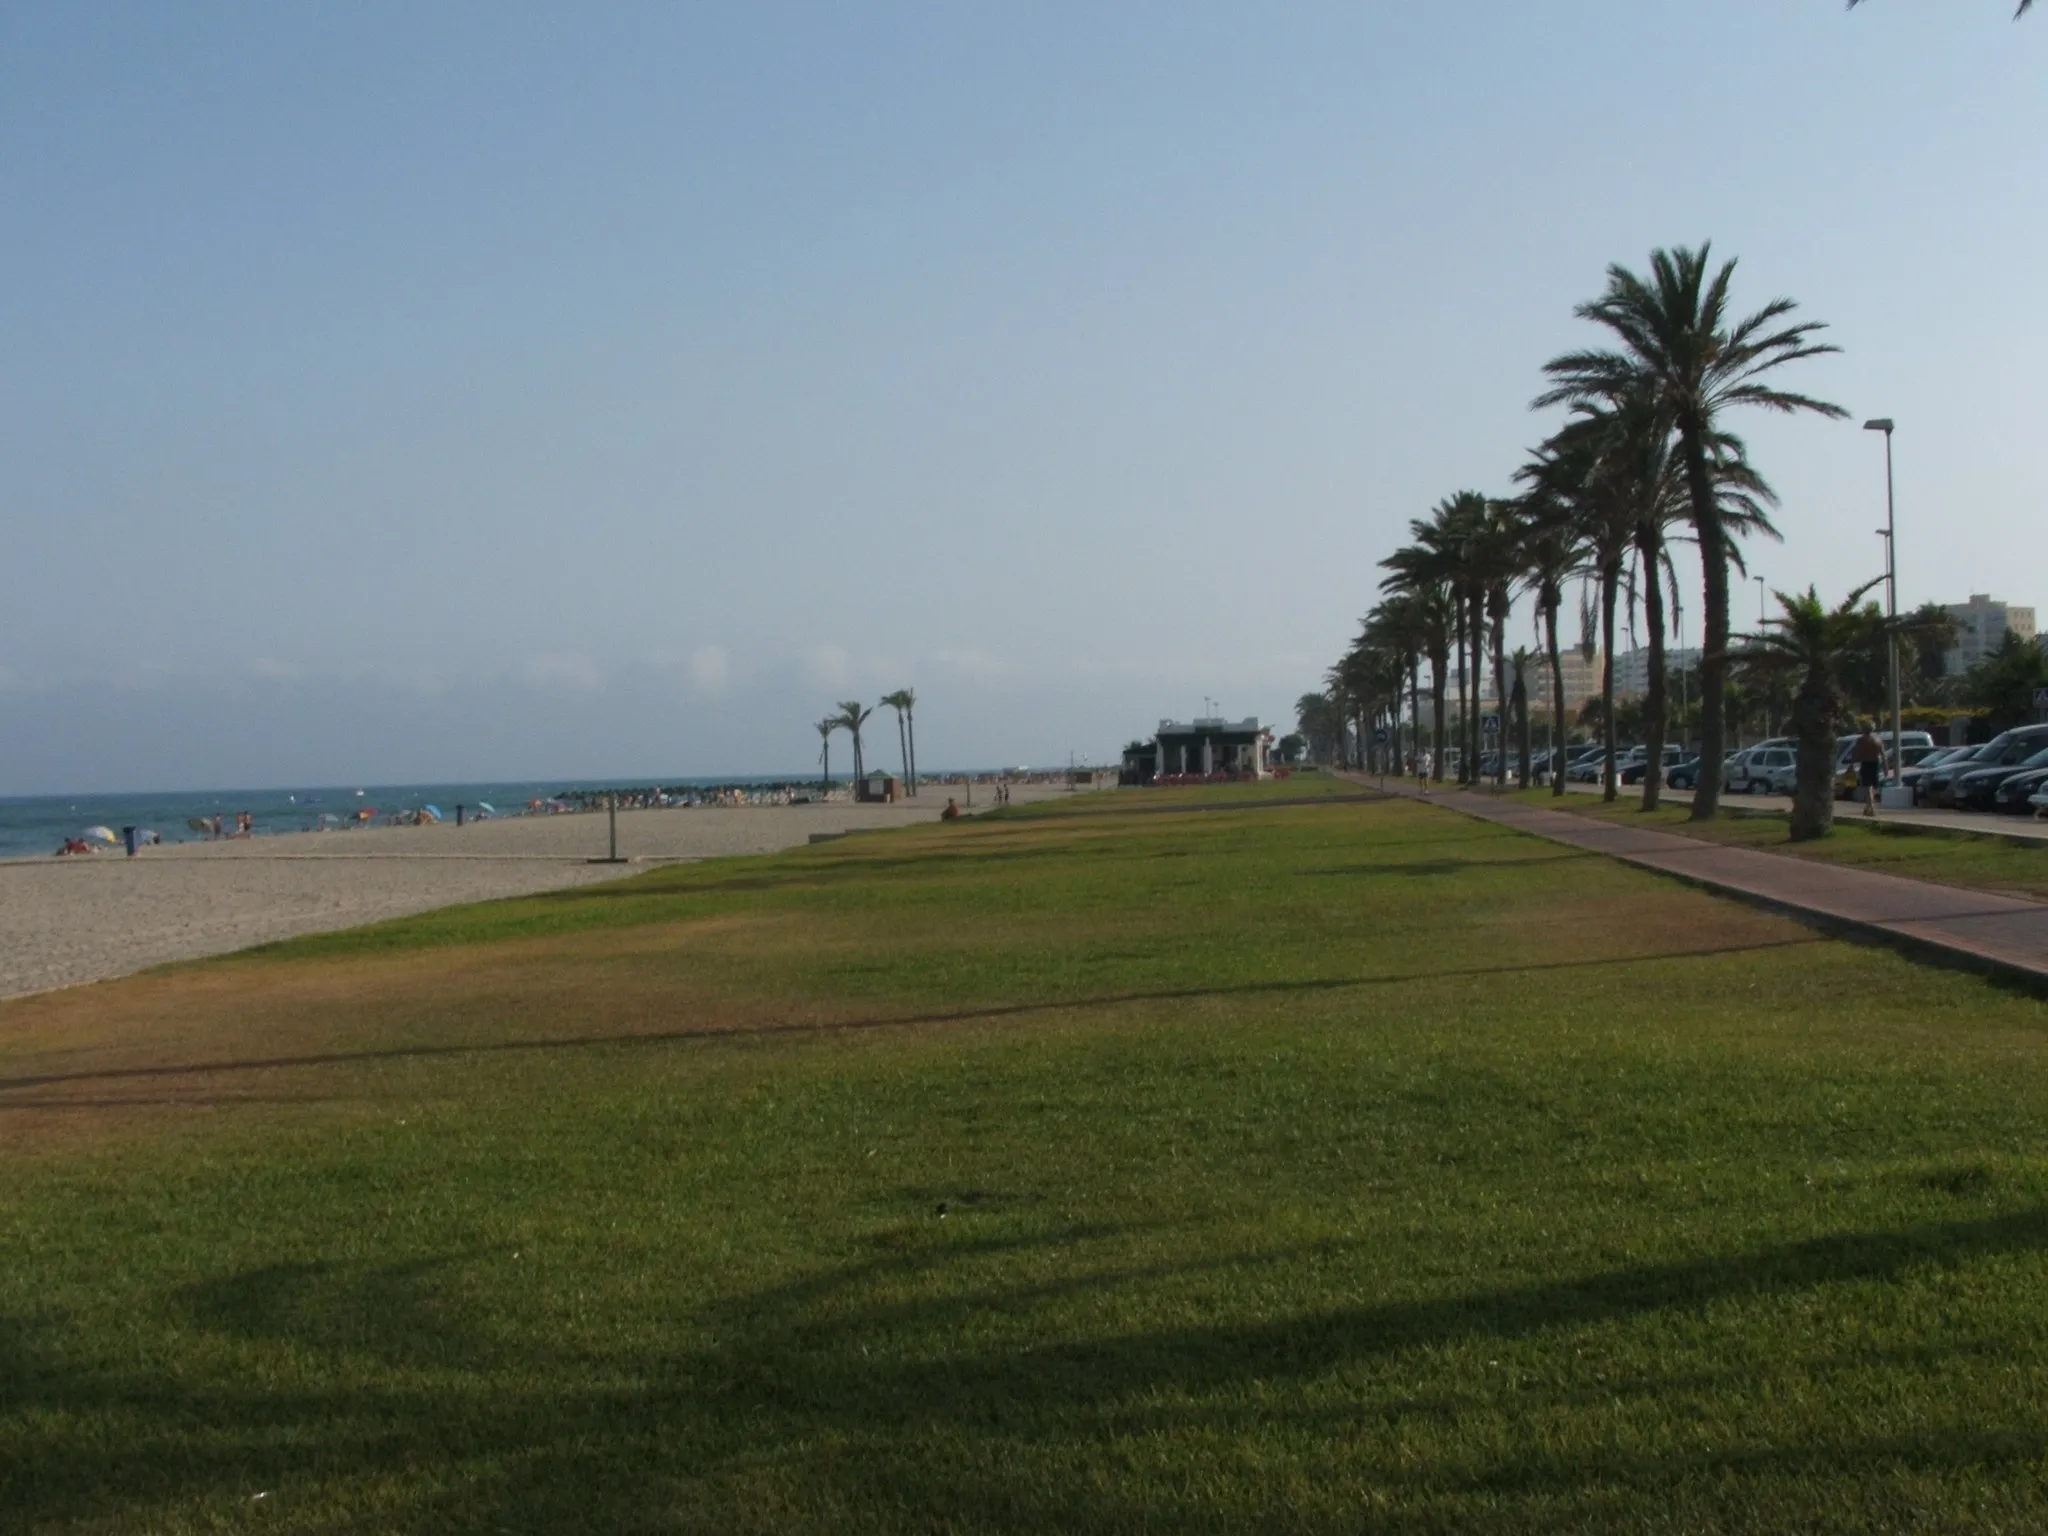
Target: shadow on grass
pixel 826 1027
pixel 881 1386
pixel 1452 866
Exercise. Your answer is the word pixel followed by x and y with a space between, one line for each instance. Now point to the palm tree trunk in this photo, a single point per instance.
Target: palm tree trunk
pixel 1813 777
pixel 1458 602
pixel 910 724
pixel 1521 729
pixel 1552 600
pixel 1610 583
pixel 1655 701
pixel 1706 522
pixel 1500 692
pixel 903 745
pixel 1439 684
pixel 1414 709
pixel 1478 676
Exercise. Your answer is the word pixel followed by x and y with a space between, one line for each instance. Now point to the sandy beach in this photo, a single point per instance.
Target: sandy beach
pixel 68 921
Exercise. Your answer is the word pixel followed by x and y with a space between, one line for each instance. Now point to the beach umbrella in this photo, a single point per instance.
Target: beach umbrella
pixel 434 811
pixel 484 807
pixel 100 835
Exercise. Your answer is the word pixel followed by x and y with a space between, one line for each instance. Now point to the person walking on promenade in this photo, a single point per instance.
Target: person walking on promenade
pixel 1423 764
pixel 1869 757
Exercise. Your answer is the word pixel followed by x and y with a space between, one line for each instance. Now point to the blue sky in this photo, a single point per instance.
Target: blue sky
pixel 474 392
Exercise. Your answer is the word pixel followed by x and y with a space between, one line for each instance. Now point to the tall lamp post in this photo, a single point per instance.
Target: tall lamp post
pixel 1891 585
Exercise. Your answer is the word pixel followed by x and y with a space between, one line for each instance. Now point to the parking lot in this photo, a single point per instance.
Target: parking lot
pixel 1921 816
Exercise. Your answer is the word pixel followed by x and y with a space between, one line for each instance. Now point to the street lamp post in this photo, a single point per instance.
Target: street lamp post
pixel 1891 585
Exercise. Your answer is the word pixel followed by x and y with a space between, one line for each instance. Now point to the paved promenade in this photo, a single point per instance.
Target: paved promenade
pixel 1974 928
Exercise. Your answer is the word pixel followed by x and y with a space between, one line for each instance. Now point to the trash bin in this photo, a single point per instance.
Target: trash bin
pixel 128 840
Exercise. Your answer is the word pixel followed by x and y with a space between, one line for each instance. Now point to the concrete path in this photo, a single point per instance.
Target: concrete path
pixel 1984 932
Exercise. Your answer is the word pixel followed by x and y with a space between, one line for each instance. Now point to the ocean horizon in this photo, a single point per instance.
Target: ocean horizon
pixel 38 825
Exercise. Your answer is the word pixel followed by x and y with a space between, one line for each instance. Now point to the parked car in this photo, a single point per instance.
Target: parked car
pixel 1914 775
pixel 1769 770
pixel 1686 775
pixel 2039 801
pixel 2015 797
pixel 1745 771
pixel 1633 772
pixel 1977 789
pixel 2008 749
pixel 1587 769
pixel 1848 786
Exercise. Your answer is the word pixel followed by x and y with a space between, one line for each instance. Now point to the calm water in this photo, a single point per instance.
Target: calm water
pixel 40 824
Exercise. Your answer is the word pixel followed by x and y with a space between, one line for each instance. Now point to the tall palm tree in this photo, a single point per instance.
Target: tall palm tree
pixel 1811 643
pixel 1416 574
pixel 1555 547
pixel 1397 628
pixel 1521 661
pixel 1571 474
pixel 910 731
pixel 1677 340
pixel 1496 554
pixel 902 701
pixel 852 716
pixel 825 729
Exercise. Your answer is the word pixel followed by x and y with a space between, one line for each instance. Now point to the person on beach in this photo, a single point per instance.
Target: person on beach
pixel 951 812
pixel 1868 754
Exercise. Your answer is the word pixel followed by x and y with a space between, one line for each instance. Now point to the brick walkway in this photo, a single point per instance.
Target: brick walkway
pixel 1973 928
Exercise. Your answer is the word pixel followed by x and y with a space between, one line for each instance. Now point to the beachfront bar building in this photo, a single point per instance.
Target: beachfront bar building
pixel 1209 746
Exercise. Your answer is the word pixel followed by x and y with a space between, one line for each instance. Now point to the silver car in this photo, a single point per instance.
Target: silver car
pixel 1767 770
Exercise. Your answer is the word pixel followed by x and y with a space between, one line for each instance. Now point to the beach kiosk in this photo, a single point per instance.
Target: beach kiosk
pixel 879 788
pixel 1210 747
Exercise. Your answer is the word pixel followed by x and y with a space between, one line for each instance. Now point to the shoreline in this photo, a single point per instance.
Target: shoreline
pixel 69 921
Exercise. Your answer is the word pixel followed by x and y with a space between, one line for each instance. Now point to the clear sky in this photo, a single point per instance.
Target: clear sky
pixel 404 392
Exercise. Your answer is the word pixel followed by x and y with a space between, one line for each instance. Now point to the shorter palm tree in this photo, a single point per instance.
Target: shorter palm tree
pixel 898 701
pixel 852 716
pixel 825 729
pixel 1812 643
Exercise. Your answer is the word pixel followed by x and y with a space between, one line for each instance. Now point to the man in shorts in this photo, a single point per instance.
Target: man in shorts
pixel 1868 755
pixel 1423 764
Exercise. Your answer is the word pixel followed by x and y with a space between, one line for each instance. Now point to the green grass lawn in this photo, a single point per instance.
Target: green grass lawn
pixel 1976 861
pixel 1354 1166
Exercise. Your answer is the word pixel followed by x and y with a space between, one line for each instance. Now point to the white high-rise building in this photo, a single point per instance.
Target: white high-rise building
pixel 1981 627
pixel 1632 668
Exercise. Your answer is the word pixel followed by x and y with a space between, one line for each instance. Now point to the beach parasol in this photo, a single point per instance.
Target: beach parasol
pixel 100 835
pixel 485 808
pixel 433 810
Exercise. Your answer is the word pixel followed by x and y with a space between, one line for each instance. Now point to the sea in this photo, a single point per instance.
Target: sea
pixel 40 824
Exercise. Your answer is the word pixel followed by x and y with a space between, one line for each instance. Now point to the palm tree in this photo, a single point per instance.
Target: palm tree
pixel 1495 552
pixel 903 700
pixel 1399 627
pixel 910 732
pixel 1416 577
pixel 1321 724
pixel 1678 343
pixel 1571 474
pixel 1811 642
pixel 852 716
pixel 1521 661
pixel 825 729
pixel 1555 547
